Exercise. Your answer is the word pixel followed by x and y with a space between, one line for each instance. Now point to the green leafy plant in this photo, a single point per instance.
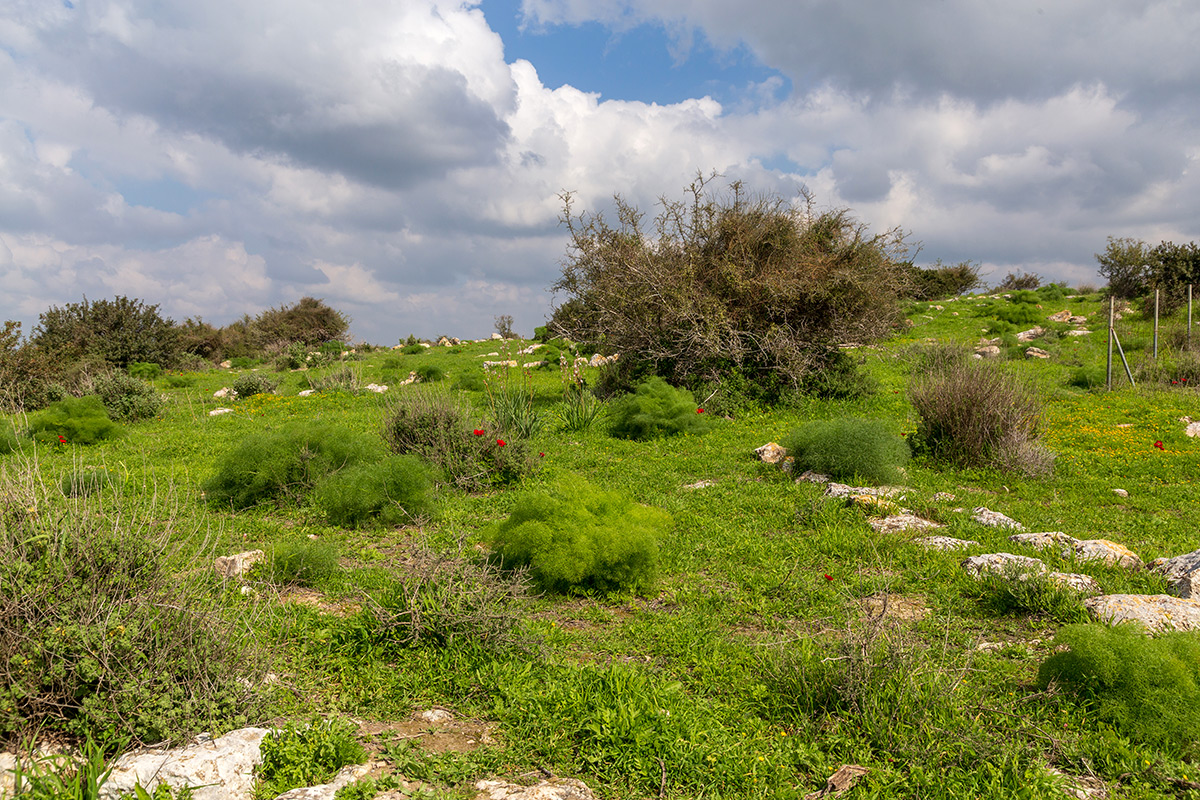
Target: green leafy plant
pixel 75 421
pixel 575 536
pixel 145 370
pixel 1148 688
pixel 395 491
pixel 849 448
pixel 9 442
pixel 974 414
pixel 63 777
pixel 657 409
pixel 119 331
pixel 181 381
pixel 835 375
pixel 430 373
pixel 285 463
pixel 127 398
pixel 253 383
pixel 306 755
pixel 510 400
pixel 412 349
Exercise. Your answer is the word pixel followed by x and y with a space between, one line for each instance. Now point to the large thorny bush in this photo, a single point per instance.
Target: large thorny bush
pixel 756 287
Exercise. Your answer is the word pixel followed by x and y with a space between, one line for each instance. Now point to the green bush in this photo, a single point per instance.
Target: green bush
pixel 253 383
pixel 391 362
pixel 392 492
pixel 118 331
pixel 102 636
pixel 345 379
pixel 301 562
pixel 146 370
pixel 9 443
pixel 77 420
pixel 412 349
pixel 975 414
pixel 127 398
pixel 1019 281
pixel 309 322
pixel 26 373
pixel 306 755
pixel 467 451
pixel 285 463
pixel 657 409
pixel 244 362
pixel 470 382
pixel 1087 378
pixel 835 375
pixel 181 381
pixel 850 448
pixel 940 281
pixel 575 536
pixel 430 373
pixel 1147 688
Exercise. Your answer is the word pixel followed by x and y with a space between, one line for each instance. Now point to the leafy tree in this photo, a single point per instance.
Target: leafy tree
pixel 1125 265
pixel 309 321
pixel 1020 281
pixel 119 331
pixel 939 281
pixel 753 286
pixel 1172 267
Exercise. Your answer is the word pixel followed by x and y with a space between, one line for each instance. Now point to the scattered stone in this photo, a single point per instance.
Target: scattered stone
pixel 1078 333
pixel 943 497
pixel 227 364
pixel 833 489
pixel 1041 541
pixel 989 351
pixel 1083 584
pixel 553 789
pixel 533 364
pixel 770 453
pixel 1182 573
pixel 1077 320
pixel 436 715
pixel 1036 352
pixel 902 522
pixel 598 360
pixel 218 769
pixel 1109 552
pixel 700 484
pixel 529 350
pixel 945 543
pixel 494 364
pixel 1003 564
pixel 1061 316
pixel 224 393
pixel 1193 429
pixel 1157 612
pixel 812 477
pixel 497 336
pixel 216 412
pixel 1035 332
pixel 839 781
pixel 376 388
pixel 994 519
pixel 327 791
pixel 236 565
pixel 1081 787
pixel 1120 493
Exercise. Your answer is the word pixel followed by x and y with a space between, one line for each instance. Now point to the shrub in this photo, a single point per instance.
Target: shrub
pixel 1087 378
pixel 253 383
pixel 78 420
pixel 973 414
pixel 181 381
pixel 285 463
pixel 393 492
pixel 412 349
pixel 306 755
pixel 244 362
pixel 119 331
pixel 26 372
pixel 849 448
pixel 470 382
pixel 1125 265
pixel 346 379
pixel 575 536
pixel 722 283
pixel 430 373
pixel 100 636
pixel 127 398
pixel 1016 281
pixel 1148 688
pixel 941 281
pixel 511 402
pixel 293 356
pixel 504 324
pixel 922 359
pixel 309 322
pixel 301 562
pixel 838 376
pixel 657 409
pixel 145 370
pixel 466 450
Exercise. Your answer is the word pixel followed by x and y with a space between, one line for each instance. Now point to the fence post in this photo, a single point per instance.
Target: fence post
pixel 1108 369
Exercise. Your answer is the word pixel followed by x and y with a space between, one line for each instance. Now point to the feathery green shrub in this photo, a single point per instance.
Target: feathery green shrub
pixel 253 383
pixel 850 448
pixel 430 373
pixel 146 370
pixel 301 562
pixel 657 409
pixel 393 492
pixel 127 398
pixel 285 463
pixel 575 536
pixel 78 420
pixel 1147 688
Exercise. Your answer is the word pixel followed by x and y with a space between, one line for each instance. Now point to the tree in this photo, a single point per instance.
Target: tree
pixel 1171 268
pixel 309 321
pixel 118 331
pixel 731 285
pixel 1125 265
pixel 939 281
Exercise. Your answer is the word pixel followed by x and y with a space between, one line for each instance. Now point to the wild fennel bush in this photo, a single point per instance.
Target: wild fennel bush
pixel 1147 688
pixel 300 562
pixel 74 421
pixel 657 409
pixel 575 536
pixel 286 463
pixel 849 448
pixel 145 370
pixel 127 398
pixel 395 491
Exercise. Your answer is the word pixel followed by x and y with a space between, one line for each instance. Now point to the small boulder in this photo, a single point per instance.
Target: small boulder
pixel 218 769
pixel 994 519
pixel 224 393
pixel 988 351
pixel 944 543
pixel 552 789
pixel 1078 333
pixel 1182 573
pixel 898 523
pixel 377 388
pixel 226 364
pixel 812 477
pixel 216 412
pixel 1002 564
pixel 770 453
pixel 1036 352
pixel 1120 493
pixel 236 565
pixel 1157 612
pixel 306 393
pixel 1083 584
pixel 1193 429
pixel 1061 316
pixel 1035 332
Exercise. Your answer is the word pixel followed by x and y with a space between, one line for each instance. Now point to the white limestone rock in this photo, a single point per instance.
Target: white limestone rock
pixel 1157 612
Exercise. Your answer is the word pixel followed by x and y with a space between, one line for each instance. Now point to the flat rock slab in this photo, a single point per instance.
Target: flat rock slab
pixel 326 791
pixel 902 522
pixel 1157 612
pixel 553 789
pixel 842 490
pixel 1104 550
pixel 1182 572
pixel 875 506
pixel 994 519
pixel 219 769
pixel 1083 584
pixel 945 543
pixel 1002 564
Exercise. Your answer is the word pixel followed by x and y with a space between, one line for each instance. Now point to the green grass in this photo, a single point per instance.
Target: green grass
pixel 753 668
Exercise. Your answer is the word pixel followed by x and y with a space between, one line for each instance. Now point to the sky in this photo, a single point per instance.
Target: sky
pixel 404 160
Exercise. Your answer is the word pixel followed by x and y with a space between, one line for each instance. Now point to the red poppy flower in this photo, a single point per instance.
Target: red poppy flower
pixel 541 455
pixel 62 439
pixel 478 432
pixel 699 410
pixel 828 577
pixel 1159 445
pixel 500 443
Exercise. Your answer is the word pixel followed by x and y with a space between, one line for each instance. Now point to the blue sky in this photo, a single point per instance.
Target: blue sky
pixel 404 159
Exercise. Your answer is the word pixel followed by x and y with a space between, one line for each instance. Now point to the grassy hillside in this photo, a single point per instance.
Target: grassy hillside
pixel 783 636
